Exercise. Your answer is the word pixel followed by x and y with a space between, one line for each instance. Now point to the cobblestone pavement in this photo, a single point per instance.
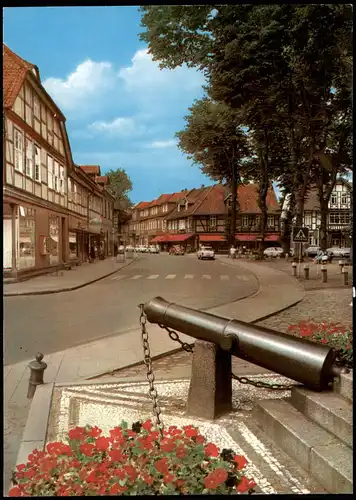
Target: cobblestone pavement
pixel 320 305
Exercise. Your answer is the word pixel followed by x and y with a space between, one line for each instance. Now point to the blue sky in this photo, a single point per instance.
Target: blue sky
pixel 121 110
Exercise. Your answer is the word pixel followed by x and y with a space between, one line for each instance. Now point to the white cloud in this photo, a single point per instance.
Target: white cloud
pixel 162 144
pixel 88 79
pixel 121 126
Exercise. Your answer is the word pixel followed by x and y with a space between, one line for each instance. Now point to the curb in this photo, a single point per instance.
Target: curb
pixel 68 289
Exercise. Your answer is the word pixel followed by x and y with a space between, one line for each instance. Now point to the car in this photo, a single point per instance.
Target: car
pixel 339 252
pixel 312 251
pixel 273 252
pixel 153 249
pixel 206 252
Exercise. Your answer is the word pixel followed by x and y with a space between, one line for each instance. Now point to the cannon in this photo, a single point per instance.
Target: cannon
pixel 299 359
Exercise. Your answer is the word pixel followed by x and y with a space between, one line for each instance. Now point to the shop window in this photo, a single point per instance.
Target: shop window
pixel 54 239
pixel 7 236
pixel 72 245
pixel 27 238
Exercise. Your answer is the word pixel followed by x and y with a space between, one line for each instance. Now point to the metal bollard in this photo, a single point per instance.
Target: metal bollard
pixel 346 275
pixel 324 273
pixel 306 271
pixel 294 268
pixel 341 265
pixel 37 368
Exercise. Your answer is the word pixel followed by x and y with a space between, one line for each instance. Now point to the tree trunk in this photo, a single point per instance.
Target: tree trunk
pixel 286 224
pixel 323 231
pixel 233 203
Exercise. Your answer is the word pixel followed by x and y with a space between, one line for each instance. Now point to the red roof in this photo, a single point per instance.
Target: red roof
pixel 247 195
pixel 102 179
pixel 91 169
pixel 14 73
pixel 212 237
pixel 143 204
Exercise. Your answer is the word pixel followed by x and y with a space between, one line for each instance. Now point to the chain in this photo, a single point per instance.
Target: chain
pixel 243 380
pixel 150 375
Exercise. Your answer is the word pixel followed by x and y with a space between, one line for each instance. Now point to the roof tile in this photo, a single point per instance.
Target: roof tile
pixel 91 169
pixel 14 73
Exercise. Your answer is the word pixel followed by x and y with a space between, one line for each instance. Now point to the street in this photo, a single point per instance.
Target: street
pixel 50 323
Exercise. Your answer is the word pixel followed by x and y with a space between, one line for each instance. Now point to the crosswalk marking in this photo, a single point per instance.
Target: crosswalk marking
pixel 189 276
pixel 136 277
pixel 119 277
pixel 206 277
pixel 153 277
pixel 224 277
pixel 170 276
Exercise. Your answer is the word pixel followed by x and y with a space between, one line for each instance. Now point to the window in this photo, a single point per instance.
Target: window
pixel 344 199
pixel 18 150
pixel 72 245
pixel 36 107
pixel 56 176
pixel 164 225
pixel 37 164
pixel 178 207
pixel 339 218
pixel 50 171
pixel 75 192
pixel 54 239
pixel 258 220
pixel 29 158
pixel 244 220
pixel 27 238
pixel 61 179
pixel 270 221
pixel 165 208
pixel 333 200
pixel 181 224
pixel 213 221
pixel 69 189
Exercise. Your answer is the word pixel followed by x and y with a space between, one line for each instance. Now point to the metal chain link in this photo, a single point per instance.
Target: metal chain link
pixel 243 380
pixel 150 375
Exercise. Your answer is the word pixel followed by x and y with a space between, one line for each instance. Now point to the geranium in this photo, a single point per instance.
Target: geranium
pixel 332 334
pixel 136 461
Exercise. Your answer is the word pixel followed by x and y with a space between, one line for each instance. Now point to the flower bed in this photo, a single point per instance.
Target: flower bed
pixel 136 461
pixel 333 334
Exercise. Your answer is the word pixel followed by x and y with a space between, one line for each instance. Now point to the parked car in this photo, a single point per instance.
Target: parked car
pixel 312 251
pixel 273 252
pixel 206 252
pixel 153 249
pixel 323 257
pixel 339 252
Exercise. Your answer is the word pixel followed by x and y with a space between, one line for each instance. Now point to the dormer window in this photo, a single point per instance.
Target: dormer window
pixel 186 205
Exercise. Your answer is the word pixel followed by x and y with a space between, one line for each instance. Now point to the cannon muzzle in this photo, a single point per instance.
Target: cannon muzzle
pixel 299 359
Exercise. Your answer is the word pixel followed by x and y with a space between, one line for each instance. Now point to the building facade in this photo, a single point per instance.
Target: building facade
pixel 46 198
pixel 339 217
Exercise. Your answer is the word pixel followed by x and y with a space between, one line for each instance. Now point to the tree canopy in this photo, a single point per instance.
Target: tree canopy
pixel 120 187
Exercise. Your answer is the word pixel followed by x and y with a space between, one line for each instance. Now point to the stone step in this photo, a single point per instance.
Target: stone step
pixel 327 409
pixel 321 454
pixel 281 473
pixel 343 385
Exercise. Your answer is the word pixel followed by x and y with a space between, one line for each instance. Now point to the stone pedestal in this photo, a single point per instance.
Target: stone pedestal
pixel 210 390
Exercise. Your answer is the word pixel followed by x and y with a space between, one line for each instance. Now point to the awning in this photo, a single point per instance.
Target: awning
pixel 212 237
pixel 179 237
pixel 246 237
pixel 272 237
pixel 159 239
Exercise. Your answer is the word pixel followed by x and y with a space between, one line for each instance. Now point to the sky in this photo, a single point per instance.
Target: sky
pixel 122 111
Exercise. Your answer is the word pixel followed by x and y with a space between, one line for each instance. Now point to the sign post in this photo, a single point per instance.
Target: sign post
pixel 300 235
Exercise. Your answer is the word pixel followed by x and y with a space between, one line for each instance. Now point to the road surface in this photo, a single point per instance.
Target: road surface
pixel 50 323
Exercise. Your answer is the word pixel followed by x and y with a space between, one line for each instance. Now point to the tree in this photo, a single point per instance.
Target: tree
pixel 214 139
pixel 120 186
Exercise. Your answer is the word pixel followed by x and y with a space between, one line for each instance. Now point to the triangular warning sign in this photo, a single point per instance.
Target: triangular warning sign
pixel 300 236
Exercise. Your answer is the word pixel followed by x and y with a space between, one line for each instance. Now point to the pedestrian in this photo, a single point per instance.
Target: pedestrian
pixel 232 252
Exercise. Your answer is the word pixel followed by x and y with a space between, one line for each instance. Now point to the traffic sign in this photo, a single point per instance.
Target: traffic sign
pixel 300 234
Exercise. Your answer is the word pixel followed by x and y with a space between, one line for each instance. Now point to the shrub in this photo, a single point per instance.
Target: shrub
pixel 136 461
pixel 333 334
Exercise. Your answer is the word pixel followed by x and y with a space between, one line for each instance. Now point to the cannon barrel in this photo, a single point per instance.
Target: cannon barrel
pixel 299 359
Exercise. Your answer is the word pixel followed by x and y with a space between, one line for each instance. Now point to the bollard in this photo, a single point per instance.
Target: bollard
pixel 341 265
pixel 306 272
pixel 294 268
pixel 324 273
pixel 37 368
pixel 346 275
pixel 286 257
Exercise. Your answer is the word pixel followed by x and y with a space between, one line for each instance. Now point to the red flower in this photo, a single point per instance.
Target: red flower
pixel 210 482
pixel 20 467
pixel 115 455
pixel 147 425
pixel 211 450
pixel 245 485
pixel 15 491
pixel 77 433
pixel 116 433
pixel 167 446
pixel 87 449
pixel 181 451
pixel 29 473
pixel 162 466
pixel 179 483
pixel 240 461
pixel 119 473
pixel 147 479
pixel 220 475
pixel 168 478
pixel 94 432
pixel 116 488
pixel 190 432
pixel 131 472
pixel 145 444
pixel 324 341
pixel 102 443
pixel 200 439
pixel 93 476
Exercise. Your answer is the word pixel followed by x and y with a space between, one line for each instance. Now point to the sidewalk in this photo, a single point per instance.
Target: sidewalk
pixel 77 277
pixel 277 291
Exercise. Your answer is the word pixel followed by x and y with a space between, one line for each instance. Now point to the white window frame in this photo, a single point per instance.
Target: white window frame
pixel 18 150
pixel 75 192
pixel 181 224
pixel 50 171
pixel 244 221
pixel 29 158
pixel 70 193
pixel 61 179
pixel 37 169
pixel 332 198
pixel 213 221
pixel 36 104
pixel 270 221
pixel 56 176
pixel 344 197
